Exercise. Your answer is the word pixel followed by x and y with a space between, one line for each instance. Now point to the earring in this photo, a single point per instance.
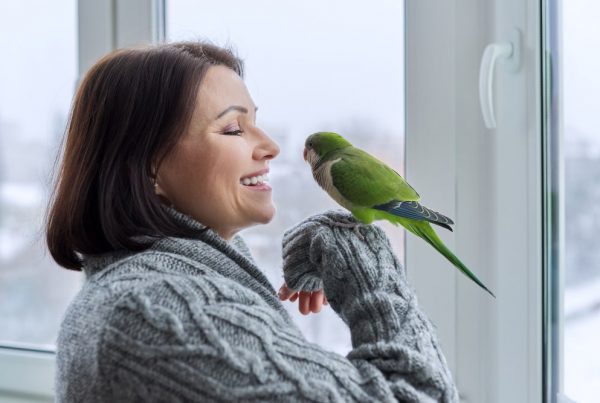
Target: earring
pixel 154 182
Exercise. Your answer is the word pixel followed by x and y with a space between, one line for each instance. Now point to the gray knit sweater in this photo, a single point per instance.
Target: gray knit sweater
pixel 194 320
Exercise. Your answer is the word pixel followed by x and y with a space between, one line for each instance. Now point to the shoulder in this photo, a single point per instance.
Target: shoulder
pixel 140 289
pixel 142 306
pixel 116 333
pixel 186 321
pixel 156 278
pixel 167 271
pixel 157 289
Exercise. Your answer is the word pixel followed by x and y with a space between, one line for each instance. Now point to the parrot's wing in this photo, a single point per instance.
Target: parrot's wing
pixel 366 181
pixel 416 211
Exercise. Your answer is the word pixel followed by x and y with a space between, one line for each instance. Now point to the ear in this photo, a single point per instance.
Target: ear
pixel 162 195
pixel 158 189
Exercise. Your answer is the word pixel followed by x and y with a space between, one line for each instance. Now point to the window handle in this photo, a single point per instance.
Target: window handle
pixel 509 51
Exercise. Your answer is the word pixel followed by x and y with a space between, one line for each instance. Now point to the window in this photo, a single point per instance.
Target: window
pixel 310 66
pixel 37 80
pixel 340 66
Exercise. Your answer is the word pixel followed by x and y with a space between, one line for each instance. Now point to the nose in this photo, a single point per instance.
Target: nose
pixel 266 148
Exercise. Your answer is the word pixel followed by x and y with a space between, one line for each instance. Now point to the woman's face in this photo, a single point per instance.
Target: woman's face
pixel 209 173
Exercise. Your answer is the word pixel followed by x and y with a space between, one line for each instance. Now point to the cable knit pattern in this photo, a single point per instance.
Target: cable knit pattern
pixel 194 320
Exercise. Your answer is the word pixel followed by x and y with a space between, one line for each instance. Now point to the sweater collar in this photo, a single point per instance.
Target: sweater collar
pixel 94 263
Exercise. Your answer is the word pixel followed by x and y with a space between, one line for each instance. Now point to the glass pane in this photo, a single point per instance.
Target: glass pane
pixel 37 79
pixel 310 66
pixel 581 84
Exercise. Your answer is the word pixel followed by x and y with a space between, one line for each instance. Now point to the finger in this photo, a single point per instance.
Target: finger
pixel 316 301
pixel 304 304
pixel 294 297
pixel 285 292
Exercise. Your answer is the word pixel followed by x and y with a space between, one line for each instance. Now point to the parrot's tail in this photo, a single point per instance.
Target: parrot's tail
pixel 423 230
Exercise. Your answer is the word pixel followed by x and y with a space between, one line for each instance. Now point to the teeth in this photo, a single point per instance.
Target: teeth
pixel 253 180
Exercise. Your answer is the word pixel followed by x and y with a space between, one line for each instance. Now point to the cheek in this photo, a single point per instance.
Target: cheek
pixel 214 179
pixel 206 184
pixel 184 177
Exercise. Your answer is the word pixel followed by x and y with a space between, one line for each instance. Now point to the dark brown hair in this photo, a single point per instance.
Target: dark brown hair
pixel 129 111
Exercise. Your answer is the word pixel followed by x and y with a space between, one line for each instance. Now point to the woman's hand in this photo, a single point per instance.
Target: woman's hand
pixel 309 301
pixel 333 251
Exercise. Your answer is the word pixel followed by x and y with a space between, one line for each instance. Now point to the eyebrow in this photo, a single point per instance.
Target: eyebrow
pixel 234 108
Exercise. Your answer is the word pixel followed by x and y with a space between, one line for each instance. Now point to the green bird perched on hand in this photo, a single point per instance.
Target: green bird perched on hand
pixel 371 191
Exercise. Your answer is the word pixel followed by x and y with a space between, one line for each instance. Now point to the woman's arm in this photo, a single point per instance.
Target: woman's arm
pixel 367 286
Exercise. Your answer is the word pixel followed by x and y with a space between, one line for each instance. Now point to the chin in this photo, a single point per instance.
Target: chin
pixel 266 215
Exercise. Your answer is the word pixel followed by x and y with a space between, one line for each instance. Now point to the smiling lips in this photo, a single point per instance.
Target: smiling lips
pixel 257 180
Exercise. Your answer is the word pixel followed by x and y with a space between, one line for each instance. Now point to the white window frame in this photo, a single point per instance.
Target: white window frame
pixel 489 181
pixel 27 372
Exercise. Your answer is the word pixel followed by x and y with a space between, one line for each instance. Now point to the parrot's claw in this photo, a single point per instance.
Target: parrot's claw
pixel 358 233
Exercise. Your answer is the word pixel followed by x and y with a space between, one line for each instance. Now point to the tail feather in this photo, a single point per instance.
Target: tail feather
pixel 424 230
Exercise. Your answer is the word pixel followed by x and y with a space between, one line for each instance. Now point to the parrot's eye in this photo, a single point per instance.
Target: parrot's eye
pixel 310 143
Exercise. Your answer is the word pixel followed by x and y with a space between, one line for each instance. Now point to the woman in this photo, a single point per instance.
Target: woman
pixel 163 165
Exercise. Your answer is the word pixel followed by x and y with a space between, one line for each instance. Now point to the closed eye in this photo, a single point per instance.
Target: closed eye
pixel 236 132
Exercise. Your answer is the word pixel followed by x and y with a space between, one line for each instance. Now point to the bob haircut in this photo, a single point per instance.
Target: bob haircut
pixel 130 110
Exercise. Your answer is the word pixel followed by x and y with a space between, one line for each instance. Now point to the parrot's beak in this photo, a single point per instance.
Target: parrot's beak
pixel 305 153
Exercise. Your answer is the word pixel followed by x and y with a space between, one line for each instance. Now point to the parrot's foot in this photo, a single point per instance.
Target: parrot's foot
pixel 353 226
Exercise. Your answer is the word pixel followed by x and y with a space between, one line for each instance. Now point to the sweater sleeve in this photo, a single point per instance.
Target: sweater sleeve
pixel 367 287
pixel 207 338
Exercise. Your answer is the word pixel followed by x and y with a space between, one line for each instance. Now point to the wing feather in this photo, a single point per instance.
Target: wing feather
pixel 366 181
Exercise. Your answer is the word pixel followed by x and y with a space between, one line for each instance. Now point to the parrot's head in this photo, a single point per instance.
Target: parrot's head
pixel 318 145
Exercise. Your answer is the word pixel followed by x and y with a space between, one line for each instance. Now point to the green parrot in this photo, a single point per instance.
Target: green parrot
pixel 371 191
